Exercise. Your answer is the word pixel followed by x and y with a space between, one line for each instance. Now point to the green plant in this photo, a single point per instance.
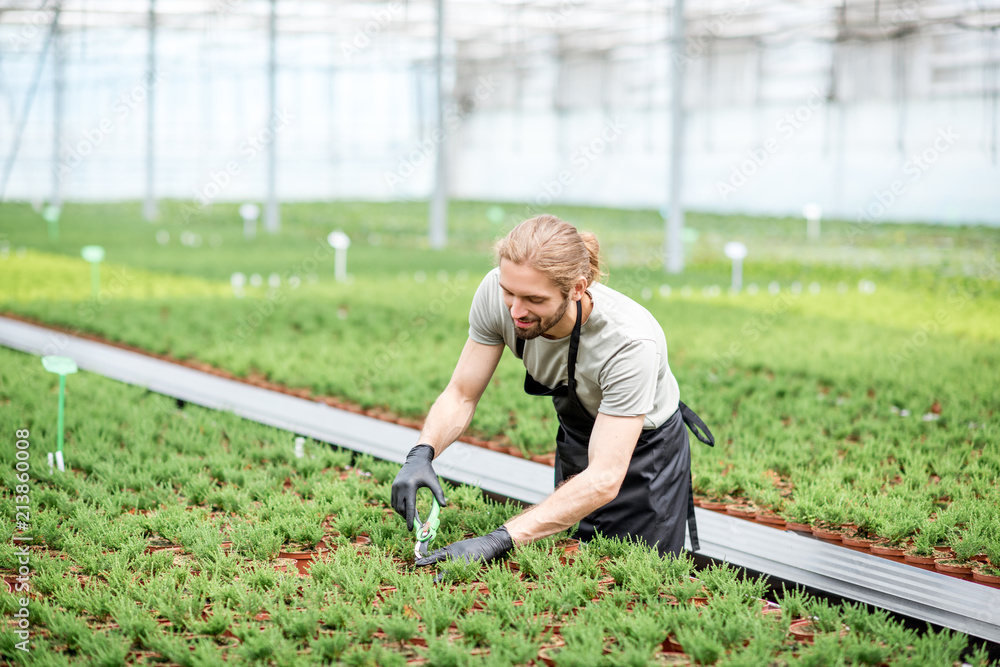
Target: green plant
pixel 685 589
pixel 703 649
pixel 899 522
pixel 800 511
pixel 794 603
pixel 643 629
pixel 459 571
pixel 966 546
pixel 261 542
pixel 330 647
pixel 719 579
pixel 533 561
pixel 297 624
pixel 922 545
pixel 825 617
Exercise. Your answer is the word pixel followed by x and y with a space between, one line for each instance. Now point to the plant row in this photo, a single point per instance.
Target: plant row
pixel 163 542
pixel 904 439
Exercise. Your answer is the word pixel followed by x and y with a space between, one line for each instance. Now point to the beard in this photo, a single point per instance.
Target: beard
pixel 540 325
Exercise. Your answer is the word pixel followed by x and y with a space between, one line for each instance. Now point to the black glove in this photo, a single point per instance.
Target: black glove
pixel 416 472
pixel 486 548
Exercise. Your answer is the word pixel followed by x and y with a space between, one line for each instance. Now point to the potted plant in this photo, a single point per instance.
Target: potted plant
pixel 259 541
pixel 830 517
pixel 821 617
pixel 898 524
pixel 770 505
pixel 302 536
pixel 799 515
pixel 989 571
pixel 697 643
pixel 964 548
pixel 863 534
pixel 921 552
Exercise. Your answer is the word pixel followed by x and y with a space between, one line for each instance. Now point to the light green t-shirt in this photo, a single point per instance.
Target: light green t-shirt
pixel 621 366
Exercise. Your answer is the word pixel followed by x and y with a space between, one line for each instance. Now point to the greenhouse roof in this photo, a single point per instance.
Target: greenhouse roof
pixel 503 28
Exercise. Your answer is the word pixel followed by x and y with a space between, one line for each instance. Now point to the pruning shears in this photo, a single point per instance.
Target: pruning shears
pixel 426 531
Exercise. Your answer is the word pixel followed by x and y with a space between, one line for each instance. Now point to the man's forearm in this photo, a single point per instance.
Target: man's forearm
pixel 612 442
pixel 569 503
pixel 447 420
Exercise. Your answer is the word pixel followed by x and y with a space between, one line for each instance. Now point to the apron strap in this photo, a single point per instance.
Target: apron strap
pixel 701 432
pixel 695 423
pixel 574 346
pixel 692 523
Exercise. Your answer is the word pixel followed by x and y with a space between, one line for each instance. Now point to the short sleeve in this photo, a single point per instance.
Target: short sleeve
pixel 485 324
pixel 628 380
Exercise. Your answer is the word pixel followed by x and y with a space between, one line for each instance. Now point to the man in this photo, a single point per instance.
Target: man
pixel 622 459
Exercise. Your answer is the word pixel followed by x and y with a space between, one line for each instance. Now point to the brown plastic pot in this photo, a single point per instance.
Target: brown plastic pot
pixel 670 645
pixel 769 518
pixel 804 631
pixel 285 565
pixel 923 562
pixel 303 559
pixel 950 566
pixel 714 505
pixel 944 552
pixel 547 654
pixel 881 549
pixel 858 543
pixel 798 527
pixel 989 579
pixel 162 545
pixel 741 511
pixel 826 533
pixel 545 459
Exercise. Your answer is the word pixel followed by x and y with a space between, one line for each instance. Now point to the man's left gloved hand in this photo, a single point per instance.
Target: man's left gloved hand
pixel 486 548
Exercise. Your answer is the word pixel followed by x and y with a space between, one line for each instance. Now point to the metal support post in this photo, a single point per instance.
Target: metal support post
pixel 439 198
pixel 674 241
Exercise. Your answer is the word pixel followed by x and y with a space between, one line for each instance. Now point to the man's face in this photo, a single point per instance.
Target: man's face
pixel 535 304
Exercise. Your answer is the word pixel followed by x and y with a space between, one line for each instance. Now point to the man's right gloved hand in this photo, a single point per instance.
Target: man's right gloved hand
pixel 416 472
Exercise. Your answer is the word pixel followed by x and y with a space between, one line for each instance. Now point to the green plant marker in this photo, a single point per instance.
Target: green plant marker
pixel 495 214
pixel 62 366
pixel 95 255
pixel 51 215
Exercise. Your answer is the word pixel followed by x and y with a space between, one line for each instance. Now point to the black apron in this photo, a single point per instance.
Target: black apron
pixel 656 496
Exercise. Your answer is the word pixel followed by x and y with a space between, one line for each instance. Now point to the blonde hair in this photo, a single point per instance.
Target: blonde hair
pixel 556 248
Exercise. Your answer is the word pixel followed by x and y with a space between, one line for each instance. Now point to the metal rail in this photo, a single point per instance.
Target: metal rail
pixel 786 556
